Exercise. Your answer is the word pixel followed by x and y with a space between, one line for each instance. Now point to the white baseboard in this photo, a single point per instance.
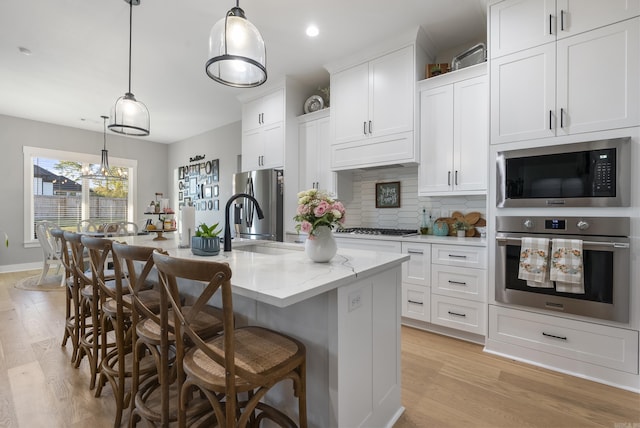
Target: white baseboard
pixel 20 267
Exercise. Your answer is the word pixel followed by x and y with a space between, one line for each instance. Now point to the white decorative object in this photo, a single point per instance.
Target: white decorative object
pixel 321 247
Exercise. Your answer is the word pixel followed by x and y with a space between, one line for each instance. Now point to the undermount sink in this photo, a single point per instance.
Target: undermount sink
pixel 265 249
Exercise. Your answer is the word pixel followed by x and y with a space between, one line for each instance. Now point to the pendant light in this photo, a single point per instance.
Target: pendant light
pixel 237 55
pixel 128 115
pixel 105 172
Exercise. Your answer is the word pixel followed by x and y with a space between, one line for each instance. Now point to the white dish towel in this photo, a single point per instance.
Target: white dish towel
pixel 567 266
pixel 534 262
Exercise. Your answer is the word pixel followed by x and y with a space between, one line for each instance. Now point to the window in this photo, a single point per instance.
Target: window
pixel 55 190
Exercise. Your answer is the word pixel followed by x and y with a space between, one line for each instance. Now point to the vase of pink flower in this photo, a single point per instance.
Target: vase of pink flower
pixel 318 213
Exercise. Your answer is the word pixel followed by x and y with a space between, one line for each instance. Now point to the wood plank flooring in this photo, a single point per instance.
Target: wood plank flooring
pixel 445 382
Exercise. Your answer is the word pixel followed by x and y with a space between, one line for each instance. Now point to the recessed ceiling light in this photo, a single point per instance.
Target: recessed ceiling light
pixel 312 31
pixel 24 50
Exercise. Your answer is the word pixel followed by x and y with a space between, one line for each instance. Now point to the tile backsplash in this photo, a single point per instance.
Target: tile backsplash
pixel 361 208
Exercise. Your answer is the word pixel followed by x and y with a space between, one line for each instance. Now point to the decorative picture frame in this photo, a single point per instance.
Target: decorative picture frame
pixel 193 187
pixel 388 195
pixel 215 169
pixel 216 205
pixel 208 191
pixel 180 173
pixel 180 196
pixel 216 191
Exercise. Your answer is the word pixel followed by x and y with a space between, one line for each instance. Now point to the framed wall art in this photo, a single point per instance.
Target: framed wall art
pixel 388 195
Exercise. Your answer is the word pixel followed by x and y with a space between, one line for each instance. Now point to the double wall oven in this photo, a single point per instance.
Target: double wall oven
pixel 606 258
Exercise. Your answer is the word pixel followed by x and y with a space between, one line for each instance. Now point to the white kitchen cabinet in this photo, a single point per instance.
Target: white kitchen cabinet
pixel 315 146
pixel 372 112
pixel 416 277
pixel 263 134
pixel 516 25
pixel 454 135
pixel 581 342
pixel 459 287
pixel 579 84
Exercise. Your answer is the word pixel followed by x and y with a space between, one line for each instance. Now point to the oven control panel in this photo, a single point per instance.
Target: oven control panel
pixel 603 226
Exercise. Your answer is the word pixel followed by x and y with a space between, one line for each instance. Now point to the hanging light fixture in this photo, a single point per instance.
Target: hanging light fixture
pixel 128 115
pixel 105 172
pixel 237 55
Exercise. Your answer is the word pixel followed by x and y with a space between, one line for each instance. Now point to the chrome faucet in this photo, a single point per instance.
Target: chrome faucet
pixel 227 227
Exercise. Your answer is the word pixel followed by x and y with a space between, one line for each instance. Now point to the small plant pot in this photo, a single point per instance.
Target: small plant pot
pixel 462 233
pixel 205 246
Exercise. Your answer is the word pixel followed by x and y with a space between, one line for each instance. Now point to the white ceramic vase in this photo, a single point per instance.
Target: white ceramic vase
pixel 321 246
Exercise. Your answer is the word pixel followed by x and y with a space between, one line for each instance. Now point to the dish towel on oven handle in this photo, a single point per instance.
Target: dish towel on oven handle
pixel 534 262
pixel 567 266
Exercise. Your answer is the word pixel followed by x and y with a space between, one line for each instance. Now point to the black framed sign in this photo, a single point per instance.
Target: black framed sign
pixel 388 195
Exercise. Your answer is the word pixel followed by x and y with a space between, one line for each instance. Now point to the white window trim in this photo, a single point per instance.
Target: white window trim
pixel 30 152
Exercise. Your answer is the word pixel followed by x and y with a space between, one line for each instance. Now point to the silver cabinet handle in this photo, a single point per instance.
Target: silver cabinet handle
pixel 370 127
pixel 364 127
pixel 449 178
pixel 456 314
pixel 457 256
pixel 415 302
pixel 415 251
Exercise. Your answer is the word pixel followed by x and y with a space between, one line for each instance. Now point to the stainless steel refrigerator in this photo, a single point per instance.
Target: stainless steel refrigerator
pixel 267 187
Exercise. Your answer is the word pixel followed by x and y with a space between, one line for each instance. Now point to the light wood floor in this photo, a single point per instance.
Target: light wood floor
pixel 445 382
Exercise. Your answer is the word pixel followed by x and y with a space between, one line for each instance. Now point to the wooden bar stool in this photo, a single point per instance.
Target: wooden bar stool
pixel 154 398
pixel 72 301
pixel 244 360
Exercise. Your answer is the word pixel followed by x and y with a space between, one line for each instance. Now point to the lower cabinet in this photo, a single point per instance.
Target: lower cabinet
pixel 582 342
pixel 416 302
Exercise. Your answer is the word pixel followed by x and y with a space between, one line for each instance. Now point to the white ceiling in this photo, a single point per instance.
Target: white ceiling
pixel 78 67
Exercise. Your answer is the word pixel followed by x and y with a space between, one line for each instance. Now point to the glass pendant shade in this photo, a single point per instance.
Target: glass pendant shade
pixel 237 55
pixel 129 116
pixel 105 172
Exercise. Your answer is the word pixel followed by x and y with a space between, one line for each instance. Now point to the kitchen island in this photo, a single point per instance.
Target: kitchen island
pixel 346 312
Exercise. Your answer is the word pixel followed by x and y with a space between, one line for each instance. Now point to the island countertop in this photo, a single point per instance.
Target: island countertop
pixel 280 274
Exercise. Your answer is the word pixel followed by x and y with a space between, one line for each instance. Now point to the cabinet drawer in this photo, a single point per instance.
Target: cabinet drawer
pixel 459 255
pixel 417 269
pixel 597 344
pixel 369 244
pixel 458 313
pixel 416 302
pixel 459 282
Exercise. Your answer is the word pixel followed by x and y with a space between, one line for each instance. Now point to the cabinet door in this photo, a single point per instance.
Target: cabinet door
pixel 598 84
pixel 436 140
pixel 273 108
pixel 273 146
pixel 523 95
pixel 308 142
pixel 392 85
pixel 577 16
pixel 416 302
pixel 251 115
pixel 325 178
pixel 417 269
pixel 252 150
pixel 350 103
pixel 520 24
pixel 471 134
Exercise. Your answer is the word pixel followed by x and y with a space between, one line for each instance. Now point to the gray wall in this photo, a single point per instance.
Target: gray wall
pixel 16 133
pixel 224 143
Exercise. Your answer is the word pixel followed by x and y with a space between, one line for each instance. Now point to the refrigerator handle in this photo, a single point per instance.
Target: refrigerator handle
pixel 237 214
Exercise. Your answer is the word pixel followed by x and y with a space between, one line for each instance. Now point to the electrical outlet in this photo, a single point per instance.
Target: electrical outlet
pixel 355 300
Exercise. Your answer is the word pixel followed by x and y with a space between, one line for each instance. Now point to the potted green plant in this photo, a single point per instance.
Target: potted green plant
pixel 461 227
pixel 206 241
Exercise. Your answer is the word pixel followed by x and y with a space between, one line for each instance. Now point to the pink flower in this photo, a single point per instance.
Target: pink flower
pixel 305 226
pixel 321 209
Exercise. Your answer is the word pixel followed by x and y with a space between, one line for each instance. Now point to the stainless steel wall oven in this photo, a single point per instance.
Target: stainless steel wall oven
pixel 605 244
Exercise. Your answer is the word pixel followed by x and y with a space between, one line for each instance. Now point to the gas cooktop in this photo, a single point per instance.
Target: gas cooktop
pixel 376 231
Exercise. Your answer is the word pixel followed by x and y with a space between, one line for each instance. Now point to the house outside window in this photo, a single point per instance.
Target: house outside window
pixel 55 190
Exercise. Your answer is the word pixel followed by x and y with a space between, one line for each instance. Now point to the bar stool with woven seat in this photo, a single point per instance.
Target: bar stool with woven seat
pixel 242 360
pixel 154 398
pixel 72 301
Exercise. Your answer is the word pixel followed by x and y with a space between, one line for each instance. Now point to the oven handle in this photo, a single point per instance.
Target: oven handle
pixel 503 240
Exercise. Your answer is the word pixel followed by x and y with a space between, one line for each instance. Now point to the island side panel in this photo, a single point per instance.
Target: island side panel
pixel 365 352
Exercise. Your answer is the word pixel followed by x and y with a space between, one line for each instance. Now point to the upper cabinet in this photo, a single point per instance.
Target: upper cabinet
pixel 372 111
pixel 516 25
pixel 263 134
pixel 583 83
pixel 315 143
pixel 454 133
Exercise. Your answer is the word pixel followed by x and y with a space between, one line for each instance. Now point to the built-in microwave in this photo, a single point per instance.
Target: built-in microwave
pixel 588 174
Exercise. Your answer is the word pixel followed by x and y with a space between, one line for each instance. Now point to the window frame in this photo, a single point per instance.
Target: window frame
pixel 30 152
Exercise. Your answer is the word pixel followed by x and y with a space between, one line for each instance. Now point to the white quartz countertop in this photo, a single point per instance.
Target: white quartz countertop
pixel 280 274
pixel 429 239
